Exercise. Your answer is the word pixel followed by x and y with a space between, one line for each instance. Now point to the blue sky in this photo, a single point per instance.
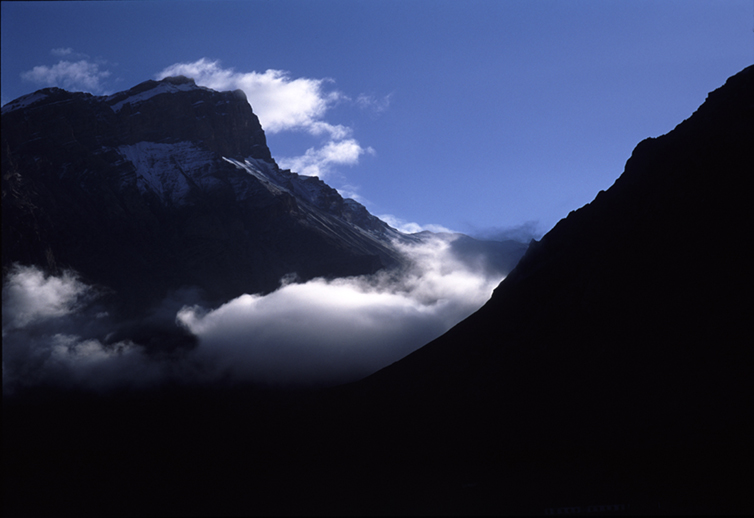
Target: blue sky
pixel 476 116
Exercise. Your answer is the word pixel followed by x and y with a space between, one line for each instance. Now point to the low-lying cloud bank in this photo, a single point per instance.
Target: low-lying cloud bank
pixel 318 332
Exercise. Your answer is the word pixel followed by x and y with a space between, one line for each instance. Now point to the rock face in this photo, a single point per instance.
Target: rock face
pixel 222 121
pixel 169 185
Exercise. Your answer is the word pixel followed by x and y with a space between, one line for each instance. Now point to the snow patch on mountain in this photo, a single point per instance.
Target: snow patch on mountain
pixel 169 169
pixel 312 189
pixel 315 192
pixel 260 170
pixel 23 102
pixel 307 188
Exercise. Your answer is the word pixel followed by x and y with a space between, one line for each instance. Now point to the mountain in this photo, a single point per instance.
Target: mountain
pixel 170 185
pixel 613 363
pixel 607 374
pixel 645 279
pixel 169 188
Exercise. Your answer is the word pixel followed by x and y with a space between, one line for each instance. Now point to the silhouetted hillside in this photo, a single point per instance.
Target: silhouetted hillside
pixel 620 340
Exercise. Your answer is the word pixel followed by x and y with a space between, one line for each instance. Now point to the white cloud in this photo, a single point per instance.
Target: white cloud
pixel 335 131
pixel 47 326
pixel 72 75
pixel 30 296
pixel 351 191
pixel 318 332
pixel 341 330
pixel 318 162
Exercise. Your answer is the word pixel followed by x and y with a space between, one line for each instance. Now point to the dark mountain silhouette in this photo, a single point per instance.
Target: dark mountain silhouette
pixel 618 347
pixel 638 293
pixel 608 374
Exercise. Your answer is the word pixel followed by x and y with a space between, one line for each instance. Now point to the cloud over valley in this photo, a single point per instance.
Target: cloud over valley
pixel 57 331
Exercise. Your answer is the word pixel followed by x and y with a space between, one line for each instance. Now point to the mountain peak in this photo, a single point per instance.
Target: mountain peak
pixel 178 80
pixel 179 187
pixel 173 109
pixel 148 89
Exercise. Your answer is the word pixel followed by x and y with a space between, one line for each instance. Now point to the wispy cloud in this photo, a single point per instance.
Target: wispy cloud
pixel 319 161
pixel 376 104
pixel 76 73
pixel 523 232
pixel 62 52
pixel 352 191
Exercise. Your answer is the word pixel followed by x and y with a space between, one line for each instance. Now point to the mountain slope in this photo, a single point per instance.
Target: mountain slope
pixel 662 251
pixel 622 334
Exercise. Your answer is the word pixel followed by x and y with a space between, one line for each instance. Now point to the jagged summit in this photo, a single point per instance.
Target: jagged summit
pixel 172 110
pixel 148 89
pixel 170 84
